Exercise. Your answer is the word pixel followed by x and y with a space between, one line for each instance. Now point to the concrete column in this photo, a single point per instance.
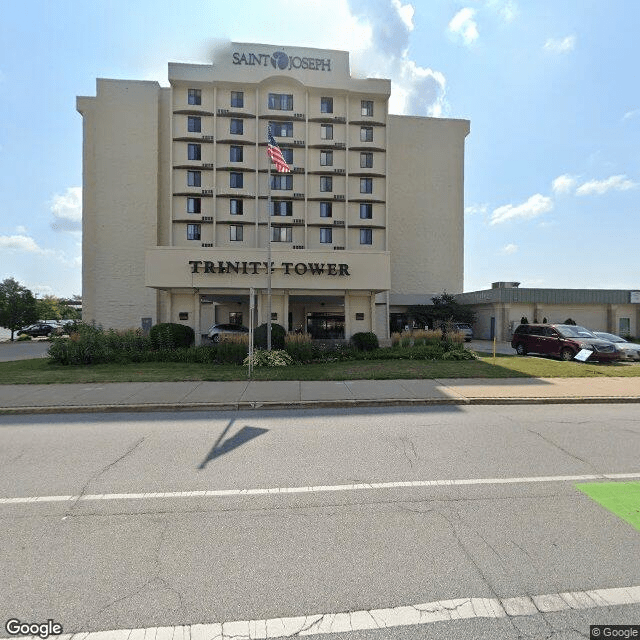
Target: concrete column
pixel 347 316
pixel 285 310
pixel 611 319
pixel 196 318
pixel 372 312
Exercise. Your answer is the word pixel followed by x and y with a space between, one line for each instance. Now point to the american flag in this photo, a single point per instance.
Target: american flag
pixel 273 151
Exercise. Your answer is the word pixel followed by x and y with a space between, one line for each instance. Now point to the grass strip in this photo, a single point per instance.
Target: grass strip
pixel 40 371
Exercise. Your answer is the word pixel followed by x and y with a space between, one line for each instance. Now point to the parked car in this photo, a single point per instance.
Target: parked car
pixel 38 329
pixel 466 330
pixel 218 330
pixel 627 350
pixel 562 341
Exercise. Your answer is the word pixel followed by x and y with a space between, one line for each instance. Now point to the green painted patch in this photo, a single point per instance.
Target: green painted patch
pixel 621 498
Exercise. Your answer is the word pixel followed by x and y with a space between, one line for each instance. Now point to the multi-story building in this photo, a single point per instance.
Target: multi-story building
pixel 177 185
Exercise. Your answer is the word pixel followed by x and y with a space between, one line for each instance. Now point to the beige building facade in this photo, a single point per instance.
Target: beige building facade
pixel 500 309
pixel 177 186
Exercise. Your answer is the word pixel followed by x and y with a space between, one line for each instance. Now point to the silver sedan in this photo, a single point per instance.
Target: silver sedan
pixel 627 350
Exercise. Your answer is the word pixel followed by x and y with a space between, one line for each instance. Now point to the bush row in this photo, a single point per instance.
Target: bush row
pixel 92 345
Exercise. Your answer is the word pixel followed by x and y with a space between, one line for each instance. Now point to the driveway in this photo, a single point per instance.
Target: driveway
pixel 486 346
pixel 36 348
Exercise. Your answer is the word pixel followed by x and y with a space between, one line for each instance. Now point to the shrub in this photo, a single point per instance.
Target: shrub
pixel 277 336
pixel 277 358
pixel 23 338
pixel 300 347
pixel 171 335
pixel 230 352
pixel 365 341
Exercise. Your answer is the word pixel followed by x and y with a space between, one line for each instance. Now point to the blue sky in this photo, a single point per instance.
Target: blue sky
pixel 552 171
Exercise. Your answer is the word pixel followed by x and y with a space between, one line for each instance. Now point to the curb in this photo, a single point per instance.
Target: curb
pixel 313 404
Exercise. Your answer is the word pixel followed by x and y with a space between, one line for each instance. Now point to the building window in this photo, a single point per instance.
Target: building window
pixel 326 105
pixel 282 129
pixel 325 235
pixel 366 185
pixel 194 96
pixel 326 158
pixel 236 180
pixel 237 99
pixel 281 234
pixel 236 126
pixel 326 132
pixel 282 183
pixel 366 134
pixel 235 317
pixel 281 208
pixel 366 236
pixel 194 124
pixel 193 232
pixel 326 183
pixel 281 101
pixel 236 207
pixel 287 154
pixel 235 154
pixel 366 211
pixel 194 152
pixel 366 160
pixel 194 205
pixel 366 107
pixel 326 209
pixel 235 233
pixel 624 326
pixel 194 178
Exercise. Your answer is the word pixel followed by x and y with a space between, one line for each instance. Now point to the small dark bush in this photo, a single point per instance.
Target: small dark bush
pixel 170 335
pixel 365 341
pixel 277 336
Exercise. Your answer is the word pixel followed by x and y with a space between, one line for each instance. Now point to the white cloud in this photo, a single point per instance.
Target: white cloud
pixel 476 208
pixel 564 184
pixel 384 53
pixel 21 243
pixel 634 113
pixel 67 210
pixel 21 230
pixel 600 187
pixel 560 45
pixel 405 12
pixel 509 249
pixel 535 206
pixel 464 25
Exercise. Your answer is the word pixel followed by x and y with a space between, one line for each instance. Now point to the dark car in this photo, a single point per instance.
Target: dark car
pixel 562 341
pixel 218 330
pixel 38 329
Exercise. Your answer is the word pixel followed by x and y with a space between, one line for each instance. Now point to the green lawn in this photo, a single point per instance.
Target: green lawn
pixel 39 371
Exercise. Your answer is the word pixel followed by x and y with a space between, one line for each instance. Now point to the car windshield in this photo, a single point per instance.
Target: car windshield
pixel 571 331
pixel 610 337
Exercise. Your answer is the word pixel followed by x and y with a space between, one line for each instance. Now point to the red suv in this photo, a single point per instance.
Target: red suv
pixel 562 341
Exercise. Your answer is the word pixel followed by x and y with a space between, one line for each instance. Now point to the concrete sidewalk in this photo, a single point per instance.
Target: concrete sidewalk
pixel 190 396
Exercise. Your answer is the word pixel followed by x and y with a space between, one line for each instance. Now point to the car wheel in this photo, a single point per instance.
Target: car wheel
pixel 216 338
pixel 520 350
pixel 566 355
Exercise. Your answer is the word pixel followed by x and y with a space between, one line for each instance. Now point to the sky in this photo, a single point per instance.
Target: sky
pixel 552 162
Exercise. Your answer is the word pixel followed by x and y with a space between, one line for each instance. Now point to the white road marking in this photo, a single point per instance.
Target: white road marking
pixel 225 493
pixel 347 621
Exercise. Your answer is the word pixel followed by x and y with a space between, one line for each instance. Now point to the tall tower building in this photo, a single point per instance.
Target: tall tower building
pixel 177 184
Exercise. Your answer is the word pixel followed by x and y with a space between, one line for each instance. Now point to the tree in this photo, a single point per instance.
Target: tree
pixel 53 308
pixel 17 306
pixel 445 308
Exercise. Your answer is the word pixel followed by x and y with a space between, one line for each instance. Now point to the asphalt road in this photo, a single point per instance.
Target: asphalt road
pixel 98 561
pixel 24 350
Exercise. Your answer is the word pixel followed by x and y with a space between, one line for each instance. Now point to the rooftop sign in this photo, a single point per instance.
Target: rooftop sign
pixel 280 60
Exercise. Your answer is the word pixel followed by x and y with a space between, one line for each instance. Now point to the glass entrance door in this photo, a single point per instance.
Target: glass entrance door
pixel 325 326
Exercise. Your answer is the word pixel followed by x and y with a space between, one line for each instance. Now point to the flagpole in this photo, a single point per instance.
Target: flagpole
pixel 269 261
